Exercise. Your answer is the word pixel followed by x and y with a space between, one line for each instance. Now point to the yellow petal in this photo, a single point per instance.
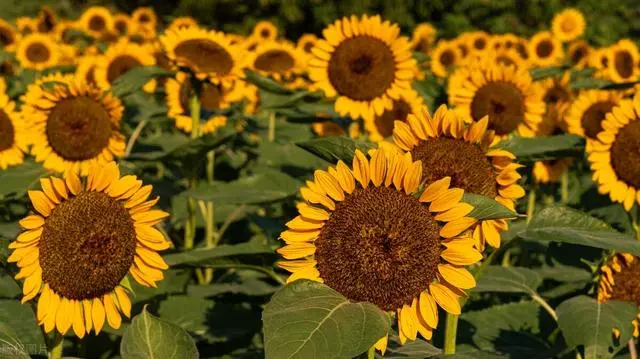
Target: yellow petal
pixel 445 298
pixel 313 213
pixel 456 212
pixel 314 197
pixel 457 276
pixel 32 222
pixel 297 250
pixel 461 255
pixel 97 315
pixel 86 306
pixel 345 177
pixel 428 309
pixel 60 187
pixel 361 168
pixel 302 224
pixel 447 200
pixel 143 193
pixel 47 188
pixel 412 177
pixel 40 202
pixel 381 344
pixel 78 319
pixel 329 184
pixel 454 228
pixel 113 317
pixel 73 182
pixel 64 315
pixel 123 301
pixel 152 258
pixel 378 167
pixel 290 236
pixel 435 189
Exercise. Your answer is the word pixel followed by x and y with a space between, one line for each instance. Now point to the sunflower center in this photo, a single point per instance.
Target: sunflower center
pixel 424 45
pixel 522 50
pixel 379 245
pixel 87 246
pixel 466 163
pixel 447 58
pixel 592 118
pixel 7 132
pixel 503 103
pixel 479 43
pixel 205 55
pixel 556 94
pixel 6 68
pixel 38 52
pixel 6 36
pixel 625 154
pixel 47 22
pixel 120 66
pixel 121 27
pixel 362 68
pixel 627 283
pixel 544 49
pixel 97 23
pixel 274 61
pixel 78 128
pixel 210 96
pixel 144 18
pixel 264 33
pixel 578 54
pixel 624 64
pixel 307 47
pixel 399 112
pixel 568 26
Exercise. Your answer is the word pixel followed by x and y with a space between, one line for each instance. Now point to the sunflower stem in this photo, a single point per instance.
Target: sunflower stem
pixel 633 352
pixel 191 224
pixel 55 345
pixel 564 187
pixel 451 332
pixel 634 220
pixel 543 303
pixel 531 202
pixel 194 109
pixel 210 228
pixel 272 126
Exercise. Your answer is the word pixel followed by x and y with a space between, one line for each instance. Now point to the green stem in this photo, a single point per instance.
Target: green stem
pixel 451 331
pixel 545 305
pixel 55 345
pixel 267 271
pixel 210 221
pixel 564 187
pixel 634 220
pixel 191 224
pixel 531 202
pixel 194 109
pixel 272 127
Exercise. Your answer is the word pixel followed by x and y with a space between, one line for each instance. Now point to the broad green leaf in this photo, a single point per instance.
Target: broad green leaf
pixel 11 347
pixel 508 280
pixel 562 224
pixel 22 321
pixel 134 79
pixel 277 154
pixel 265 187
pixel 543 148
pixel 178 147
pixel 416 349
pixel 564 273
pixel 589 83
pixel 190 313
pixel 333 148
pixel 152 337
pixel 540 73
pixel 9 230
pixel 175 282
pixel 586 322
pixel 487 208
pixel 265 83
pixel 270 100
pixel 9 288
pixel 205 255
pixel 246 282
pixel 17 180
pixel 306 319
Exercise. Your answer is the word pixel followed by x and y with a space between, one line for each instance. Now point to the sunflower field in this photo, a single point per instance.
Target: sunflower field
pixel 390 180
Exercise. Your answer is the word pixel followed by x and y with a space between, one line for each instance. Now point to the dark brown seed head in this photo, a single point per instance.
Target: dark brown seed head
pixel 399 112
pixel 592 118
pixel 274 61
pixel 87 246
pixel 381 246
pixel 7 132
pixel 578 54
pixel 121 27
pixel 120 66
pixel 7 37
pixel 623 63
pixel 204 55
pixel 38 52
pixel 362 68
pixel 79 128
pixel 97 23
pixel 446 58
pixel 625 154
pixel 480 43
pixel 544 49
pixel 627 283
pixel 503 103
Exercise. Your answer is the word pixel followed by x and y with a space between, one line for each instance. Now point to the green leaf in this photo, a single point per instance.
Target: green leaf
pixel 508 280
pixel 134 79
pixel 13 348
pixel 178 147
pixel 487 208
pixel 589 83
pixel 203 256
pixel 270 100
pixel 188 312
pixel 416 349
pixel 543 148
pixel 267 186
pixel 564 273
pixel 306 319
pixel 21 320
pixel 17 180
pixel 562 224
pixel 152 337
pixel 586 322
pixel 333 148
pixel 265 83
pixel 540 73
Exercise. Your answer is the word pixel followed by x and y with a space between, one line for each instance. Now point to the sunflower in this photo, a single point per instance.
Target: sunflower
pixel 623 59
pixel 478 41
pixel 38 51
pixel 364 63
pixel 424 36
pixel 614 155
pixel 585 115
pixel 86 69
pixel 63 32
pixel 13 132
pixel 382 125
pixel 183 22
pixel 444 57
pixel 463 45
pixel 522 47
pixel 599 59
pixel 96 21
pixel 506 94
pixel 363 233
pixel 508 57
pixel 213 98
pixel 277 59
pixel 8 37
pixel 545 49
pixel 74 125
pixel 7 68
pixel 568 25
pixel 618 280
pixel 447 148
pixel 145 18
pixel 119 59
pixel 122 25
pixel 578 53
pixel 305 43
pixel 81 242
pixel 27 25
pixel 265 31
pixel 47 20
pixel 208 54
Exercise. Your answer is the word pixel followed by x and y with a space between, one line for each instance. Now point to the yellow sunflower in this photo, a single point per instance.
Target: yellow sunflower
pixel 86 68
pixel 578 53
pixel 545 49
pixel 213 97
pixel 447 147
pixel 14 133
pixel 277 59
pixel 364 63
pixel 508 57
pixel 444 57
pixel 96 21
pixel 305 43
pixel 381 126
pixel 424 37
pixel 265 31
pixel 585 115
pixel 47 20
pixel 63 32
pixel 618 280
pixel 599 59
pixel 183 22
pixel 522 47
pixel 208 54
pixel 363 233
pixel 119 59
pixel 122 25
pixel 8 37
pixel 38 51
pixel 478 41
pixel 81 242
pixel 506 94
pixel 146 22
pixel 27 25
pixel 73 125
pixel 623 61
pixel 614 155
pixel 568 25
